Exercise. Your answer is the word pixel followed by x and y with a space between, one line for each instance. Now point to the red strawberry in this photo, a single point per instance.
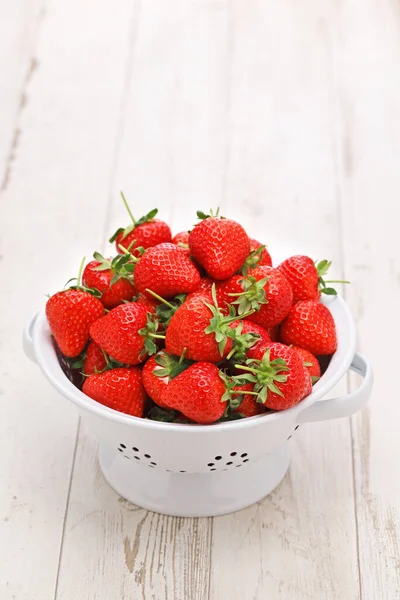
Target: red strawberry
pixel 278 375
pixel 258 257
pixel 120 389
pixel 148 302
pixel 310 362
pixel 305 278
pixel 219 245
pixel 70 315
pixel 145 232
pixel 268 292
pixel 166 270
pixel 247 404
pixel 224 290
pixel 112 278
pixel 95 361
pixel 264 339
pixel 197 393
pixel 187 329
pixel 310 325
pixel 158 372
pixel 126 333
pixel 181 239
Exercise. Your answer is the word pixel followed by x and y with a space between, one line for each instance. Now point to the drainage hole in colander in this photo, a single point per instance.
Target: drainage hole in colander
pixel 135 449
pixel 246 460
pixel 120 449
pixel 218 457
pixel 233 453
pixel 289 437
pixel 182 471
pixel 229 463
pixel 123 446
pixel 238 466
pixel 213 469
pixel 210 464
pixel 244 455
pixel 147 456
pixel 137 457
pixel 153 463
pixel 127 457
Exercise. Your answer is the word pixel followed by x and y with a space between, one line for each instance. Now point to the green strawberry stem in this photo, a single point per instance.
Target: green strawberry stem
pixel 127 208
pixel 161 299
pixel 182 356
pixel 79 279
pixel 156 335
pixel 238 317
pixel 231 353
pixel 336 281
pixel 126 251
pixel 244 392
pixel 247 369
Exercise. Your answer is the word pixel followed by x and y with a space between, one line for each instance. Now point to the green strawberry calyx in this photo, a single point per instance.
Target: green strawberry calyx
pixel 167 308
pixel 252 260
pixel 111 363
pixel 233 396
pixel 135 223
pixel 149 333
pixel 220 324
pixel 121 266
pixel 322 268
pixel 79 285
pixel 202 216
pixel 253 295
pixel 241 343
pixel 265 374
pixel 171 366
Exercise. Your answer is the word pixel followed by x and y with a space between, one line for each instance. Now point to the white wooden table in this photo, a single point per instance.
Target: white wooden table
pixel 285 114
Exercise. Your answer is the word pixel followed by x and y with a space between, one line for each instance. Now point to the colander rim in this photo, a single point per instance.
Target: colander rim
pixel 48 362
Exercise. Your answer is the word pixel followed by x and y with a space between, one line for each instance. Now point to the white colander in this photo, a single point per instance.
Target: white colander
pixel 196 471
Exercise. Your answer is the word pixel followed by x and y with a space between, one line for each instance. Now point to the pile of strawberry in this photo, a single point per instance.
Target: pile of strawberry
pixel 197 328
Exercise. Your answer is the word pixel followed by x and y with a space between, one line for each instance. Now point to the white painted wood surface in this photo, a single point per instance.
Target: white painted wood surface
pixel 286 115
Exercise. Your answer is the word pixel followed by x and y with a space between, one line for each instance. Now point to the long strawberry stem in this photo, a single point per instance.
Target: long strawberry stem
pixel 128 209
pixel 156 335
pixel 125 251
pixel 160 298
pixel 81 270
pixel 336 281
pixel 244 392
pixel 238 317
pixel 247 369
pixel 182 356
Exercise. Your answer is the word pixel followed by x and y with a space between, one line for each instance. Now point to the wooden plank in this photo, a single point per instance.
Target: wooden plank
pixel 170 156
pixel 20 24
pixel 369 93
pixel 57 183
pixel 281 183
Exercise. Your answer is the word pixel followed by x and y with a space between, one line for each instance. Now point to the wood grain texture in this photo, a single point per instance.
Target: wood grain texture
pixel 285 114
pixel 300 542
pixel 64 156
pixel 170 156
pixel 369 93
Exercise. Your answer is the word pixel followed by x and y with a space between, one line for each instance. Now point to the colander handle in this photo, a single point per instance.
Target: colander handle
pixel 344 406
pixel 27 341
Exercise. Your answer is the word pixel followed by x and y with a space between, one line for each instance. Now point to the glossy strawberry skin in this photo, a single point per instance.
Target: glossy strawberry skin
pixel 303 276
pixel 224 288
pixel 248 407
pixel 294 387
pixel 265 259
pixel 220 246
pixel 249 327
pixel 279 296
pixel 95 361
pixel 70 315
pixel 118 333
pixel 147 235
pixel 166 270
pixel 307 383
pixel 186 330
pixel 197 393
pixel 149 303
pixel 314 369
pixel 310 325
pixel 120 389
pixel 111 295
pixel 153 384
pixel 181 239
